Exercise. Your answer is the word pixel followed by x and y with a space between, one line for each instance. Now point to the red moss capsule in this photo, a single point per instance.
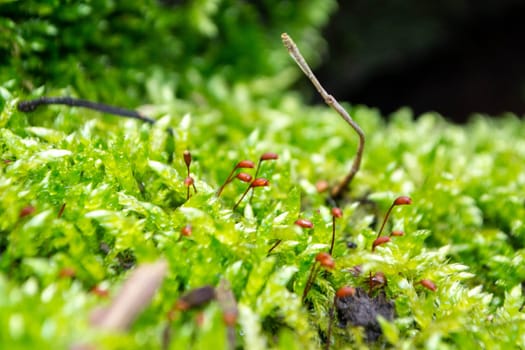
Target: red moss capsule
pixel 186 231
pixel 230 318
pixel 245 164
pixel 26 211
pixel 269 155
pixel 321 186
pixel 304 223
pixel 328 263
pixel 244 177
pixel 344 292
pixel 187 158
pixel 260 182
pixel 379 241
pixel 188 181
pixel 428 284
pixel 325 260
pixel 99 291
pixel 67 272
pixel 322 256
pixel 403 200
pixel 397 233
pixel 337 212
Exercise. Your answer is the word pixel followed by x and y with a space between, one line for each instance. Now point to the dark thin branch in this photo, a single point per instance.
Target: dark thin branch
pixel 31 105
pixel 337 191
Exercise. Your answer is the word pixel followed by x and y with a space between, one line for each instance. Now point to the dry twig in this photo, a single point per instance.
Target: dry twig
pixel 337 191
pixel 134 296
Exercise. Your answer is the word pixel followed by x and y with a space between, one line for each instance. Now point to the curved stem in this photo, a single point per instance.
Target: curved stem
pixel 228 180
pixel 337 191
pixel 255 176
pixel 242 197
pixel 384 220
pixel 310 280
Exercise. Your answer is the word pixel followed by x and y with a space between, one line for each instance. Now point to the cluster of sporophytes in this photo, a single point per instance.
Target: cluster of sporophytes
pixel 127 233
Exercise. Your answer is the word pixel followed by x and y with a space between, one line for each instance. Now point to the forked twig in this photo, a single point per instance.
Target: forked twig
pixel 337 191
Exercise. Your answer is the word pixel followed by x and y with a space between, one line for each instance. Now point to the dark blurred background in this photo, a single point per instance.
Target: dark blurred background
pixel 456 57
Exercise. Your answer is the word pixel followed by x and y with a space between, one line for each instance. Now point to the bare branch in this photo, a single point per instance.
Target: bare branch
pixel 134 296
pixel 337 191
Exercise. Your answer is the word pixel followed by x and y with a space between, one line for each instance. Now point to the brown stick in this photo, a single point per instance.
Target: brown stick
pixel 133 297
pixel 337 191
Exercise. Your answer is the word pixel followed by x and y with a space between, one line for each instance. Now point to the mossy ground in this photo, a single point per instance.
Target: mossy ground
pixel 122 184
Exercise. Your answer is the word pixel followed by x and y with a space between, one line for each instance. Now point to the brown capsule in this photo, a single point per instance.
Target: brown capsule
pixel 186 231
pixel 67 272
pixel 244 177
pixel 344 292
pixel 322 256
pixel 428 284
pixel 337 212
pixel 187 158
pixel 321 186
pixel 230 318
pixel 99 291
pixel 188 181
pixel 304 223
pixel 325 260
pixel 328 263
pixel 195 298
pixel 269 155
pixel 403 200
pixel 26 211
pixel 397 233
pixel 245 164
pixel 379 241
pixel 260 182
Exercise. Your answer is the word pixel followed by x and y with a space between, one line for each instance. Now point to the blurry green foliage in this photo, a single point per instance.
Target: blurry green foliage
pixel 107 50
pixel 122 183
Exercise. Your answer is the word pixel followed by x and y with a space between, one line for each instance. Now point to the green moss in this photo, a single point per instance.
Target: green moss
pixel 122 183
